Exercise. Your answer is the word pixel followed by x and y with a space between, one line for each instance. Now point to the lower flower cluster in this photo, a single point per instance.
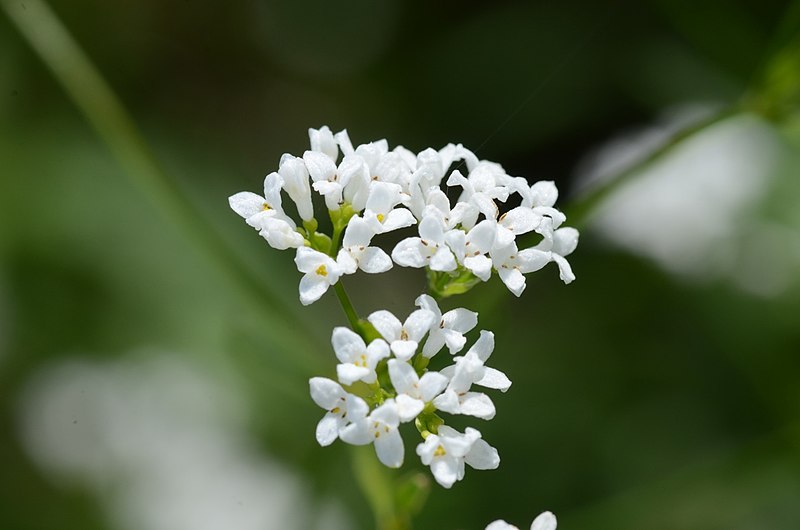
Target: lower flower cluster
pixel 384 381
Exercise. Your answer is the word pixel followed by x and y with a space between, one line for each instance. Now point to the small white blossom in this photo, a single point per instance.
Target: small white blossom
pixel 468 370
pixel 342 408
pixel 358 361
pixel 448 451
pixel 558 244
pixel 429 249
pixel 320 270
pixel 296 184
pixel 380 428
pixel 403 337
pixel 511 264
pixel 446 329
pixel 481 188
pixel 329 180
pixel 470 249
pixel 322 141
pixel 544 521
pixel 413 391
pixel 380 209
pixel 356 252
pixel 266 214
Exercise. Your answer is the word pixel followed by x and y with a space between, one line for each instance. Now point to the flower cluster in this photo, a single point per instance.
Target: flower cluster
pixel 389 384
pixel 382 376
pixel 371 190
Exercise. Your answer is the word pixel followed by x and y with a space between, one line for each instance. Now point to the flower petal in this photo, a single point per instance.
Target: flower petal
pixel 246 204
pixel 347 344
pixel 327 429
pixel 387 324
pixel 374 261
pixel 403 376
pixel 408 407
pixel 349 373
pixel 389 448
pixel 544 521
pixel 325 392
pixel 312 287
pixel 482 456
pixel 478 405
pixel 356 433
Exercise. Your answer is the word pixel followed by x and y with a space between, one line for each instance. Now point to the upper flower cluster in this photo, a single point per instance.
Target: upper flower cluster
pixel 370 190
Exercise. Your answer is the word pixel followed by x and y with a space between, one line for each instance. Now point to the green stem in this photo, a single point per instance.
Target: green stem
pixel 98 103
pixel 349 310
pixel 378 488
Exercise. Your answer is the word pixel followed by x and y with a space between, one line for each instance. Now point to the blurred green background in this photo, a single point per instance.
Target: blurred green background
pixel 144 385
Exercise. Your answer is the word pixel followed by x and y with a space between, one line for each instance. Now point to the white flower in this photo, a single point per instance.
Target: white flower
pixel 469 370
pixel 427 250
pixel 329 180
pixel 511 264
pixel 356 252
pixel 446 329
pixel 481 188
pixel 295 182
pixel 266 214
pixel 413 391
pixel 322 140
pixel 558 244
pixel 544 521
pixel 403 337
pixel 321 271
pixel 380 428
pixel 380 209
pixel 358 361
pixel 342 408
pixel 448 451
pixel 470 248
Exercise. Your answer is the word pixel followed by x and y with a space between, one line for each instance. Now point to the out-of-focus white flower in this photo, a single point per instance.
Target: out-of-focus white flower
pixel 413 391
pixel 448 451
pixel 341 407
pixel 544 521
pixel 358 360
pixel 446 329
pixel 320 270
pixel 380 428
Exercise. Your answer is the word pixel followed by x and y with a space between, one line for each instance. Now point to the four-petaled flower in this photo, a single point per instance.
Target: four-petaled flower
pixel 402 337
pixel 380 428
pixel 358 361
pixel 448 451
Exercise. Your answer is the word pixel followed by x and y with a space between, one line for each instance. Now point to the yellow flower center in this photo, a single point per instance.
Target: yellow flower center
pixel 265 207
pixel 322 270
pixel 439 451
pixel 380 217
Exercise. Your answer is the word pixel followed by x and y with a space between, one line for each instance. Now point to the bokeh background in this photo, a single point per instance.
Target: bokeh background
pixel 146 385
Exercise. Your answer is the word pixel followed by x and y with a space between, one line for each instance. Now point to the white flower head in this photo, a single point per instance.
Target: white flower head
pixel 403 337
pixel 320 270
pixel 358 361
pixel 447 451
pixel 342 408
pixel 544 521
pixel 447 329
pixel 356 252
pixel 413 392
pixel 380 428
